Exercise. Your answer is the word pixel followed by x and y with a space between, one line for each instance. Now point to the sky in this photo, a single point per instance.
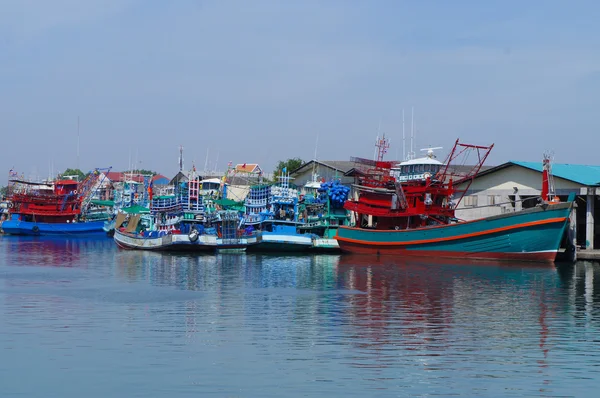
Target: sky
pixel 266 80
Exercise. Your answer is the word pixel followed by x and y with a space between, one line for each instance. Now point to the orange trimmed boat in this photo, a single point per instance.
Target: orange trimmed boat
pixel 408 210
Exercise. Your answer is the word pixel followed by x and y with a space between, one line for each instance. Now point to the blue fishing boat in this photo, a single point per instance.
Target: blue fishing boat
pixel 322 212
pixel 272 217
pixel 180 222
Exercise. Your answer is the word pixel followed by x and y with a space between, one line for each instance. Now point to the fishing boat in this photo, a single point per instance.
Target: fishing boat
pixel 322 212
pixel 145 232
pixel 409 212
pixel 180 222
pixel 272 218
pixel 53 207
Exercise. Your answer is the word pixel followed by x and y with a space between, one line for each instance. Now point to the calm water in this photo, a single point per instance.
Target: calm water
pixel 82 318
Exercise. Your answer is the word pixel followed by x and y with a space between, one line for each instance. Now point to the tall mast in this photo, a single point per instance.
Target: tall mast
pixel 411 154
pixel 206 161
pixel 375 154
pixel 314 170
pixel 180 157
pixel 77 142
pixel 403 138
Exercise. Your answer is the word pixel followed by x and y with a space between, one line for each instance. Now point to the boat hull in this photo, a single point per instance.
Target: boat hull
pixel 276 242
pixel 529 235
pixel 16 227
pixel 177 242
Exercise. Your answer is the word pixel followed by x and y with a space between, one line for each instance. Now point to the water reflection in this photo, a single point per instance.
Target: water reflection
pixel 53 251
pixel 373 326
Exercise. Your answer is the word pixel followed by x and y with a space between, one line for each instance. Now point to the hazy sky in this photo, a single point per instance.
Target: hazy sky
pixel 258 81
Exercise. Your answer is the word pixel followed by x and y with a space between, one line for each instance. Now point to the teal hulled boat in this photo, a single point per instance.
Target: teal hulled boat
pixel 531 235
pixel 408 210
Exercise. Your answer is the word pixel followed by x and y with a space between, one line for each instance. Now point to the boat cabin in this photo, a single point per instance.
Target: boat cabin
pixel 417 169
pixel 65 187
pixel 210 186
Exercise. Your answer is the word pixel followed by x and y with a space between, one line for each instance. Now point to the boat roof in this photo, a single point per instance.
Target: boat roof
pixel 312 184
pixel 423 160
pixel 211 181
pixel 65 182
pixel 588 175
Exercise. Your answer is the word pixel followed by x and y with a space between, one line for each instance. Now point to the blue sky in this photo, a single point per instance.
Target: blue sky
pixel 258 81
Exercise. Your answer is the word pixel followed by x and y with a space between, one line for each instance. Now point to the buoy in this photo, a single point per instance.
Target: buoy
pixel 193 235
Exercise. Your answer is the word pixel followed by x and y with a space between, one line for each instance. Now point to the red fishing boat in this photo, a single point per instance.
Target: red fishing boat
pixel 57 207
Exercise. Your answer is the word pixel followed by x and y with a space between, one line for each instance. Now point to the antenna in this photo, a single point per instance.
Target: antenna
pixel 430 150
pixel 403 138
pixel 377 139
pixel 411 154
pixel 314 168
pixel 78 142
pixel 206 161
pixel 180 157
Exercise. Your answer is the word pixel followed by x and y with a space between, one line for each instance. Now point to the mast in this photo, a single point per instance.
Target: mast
pixel 403 138
pixel 412 133
pixel 77 142
pixel 314 170
pixel 206 161
pixel 180 157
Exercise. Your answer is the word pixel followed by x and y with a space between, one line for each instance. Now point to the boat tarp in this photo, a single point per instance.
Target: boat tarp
pixel 228 202
pixel 107 203
pixel 165 197
pixel 134 219
pixel 136 209
pixel 120 220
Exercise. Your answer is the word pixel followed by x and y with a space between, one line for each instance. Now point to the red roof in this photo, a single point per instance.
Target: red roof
pixel 158 177
pixel 114 176
pixel 248 168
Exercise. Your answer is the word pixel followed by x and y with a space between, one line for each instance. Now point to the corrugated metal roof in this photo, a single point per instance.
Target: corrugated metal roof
pixel 579 173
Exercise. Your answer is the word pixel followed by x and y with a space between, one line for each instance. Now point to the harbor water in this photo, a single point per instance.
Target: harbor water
pixel 79 317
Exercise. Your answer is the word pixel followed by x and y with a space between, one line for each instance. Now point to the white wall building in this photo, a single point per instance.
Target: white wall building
pixel 515 185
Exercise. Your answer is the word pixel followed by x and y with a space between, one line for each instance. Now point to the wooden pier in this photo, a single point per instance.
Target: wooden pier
pixel 588 255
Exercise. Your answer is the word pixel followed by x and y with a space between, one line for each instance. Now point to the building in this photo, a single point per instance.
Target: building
pixel 160 179
pixel 325 170
pixel 513 186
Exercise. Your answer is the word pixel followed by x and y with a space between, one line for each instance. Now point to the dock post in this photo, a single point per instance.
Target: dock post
pixel 589 219
pixel 572 235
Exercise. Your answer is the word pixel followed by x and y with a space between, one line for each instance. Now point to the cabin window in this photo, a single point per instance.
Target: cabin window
pixel 494 200
pixel 470 201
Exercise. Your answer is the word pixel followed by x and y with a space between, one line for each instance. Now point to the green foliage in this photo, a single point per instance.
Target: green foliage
pixel 290 165
pixel 3 191
pixel 79 175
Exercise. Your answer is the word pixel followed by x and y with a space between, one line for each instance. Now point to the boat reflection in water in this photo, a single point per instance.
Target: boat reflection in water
pixel 428 308
pixel 373 325
pixel 55 251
